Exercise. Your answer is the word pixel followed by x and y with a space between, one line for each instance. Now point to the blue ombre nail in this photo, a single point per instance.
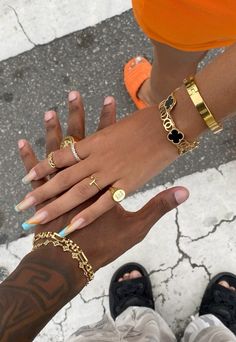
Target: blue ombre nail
pixel 62 232
pixel 27 226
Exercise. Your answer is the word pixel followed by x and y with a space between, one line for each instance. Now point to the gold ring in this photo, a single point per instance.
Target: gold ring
pixel 51 161
pixel 94 182
pixel 117 194
pixel 67 141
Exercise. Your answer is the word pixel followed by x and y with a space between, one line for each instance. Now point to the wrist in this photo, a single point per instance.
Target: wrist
pixel 186 116
pixel 56 259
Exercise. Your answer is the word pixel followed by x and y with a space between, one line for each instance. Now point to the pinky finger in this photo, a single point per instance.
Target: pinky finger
pixel 108 113
pixel 90 214
pixel 28 158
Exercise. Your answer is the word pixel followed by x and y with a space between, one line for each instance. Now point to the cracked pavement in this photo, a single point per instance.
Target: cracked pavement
pixel 185 249
pixel 21 26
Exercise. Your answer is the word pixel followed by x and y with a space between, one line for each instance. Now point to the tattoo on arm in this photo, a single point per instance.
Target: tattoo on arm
pixel 32 294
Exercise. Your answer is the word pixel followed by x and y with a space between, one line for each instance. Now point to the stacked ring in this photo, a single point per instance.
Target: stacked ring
pixel 117 194
pixel 74 152
pixel 51 161
pixel 67 141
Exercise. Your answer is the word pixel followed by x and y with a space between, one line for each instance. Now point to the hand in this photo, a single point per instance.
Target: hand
pixel 117 230
pixel 124 155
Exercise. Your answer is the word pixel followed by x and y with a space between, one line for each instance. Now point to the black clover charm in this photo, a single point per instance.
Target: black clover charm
pixel 170 102
pixel 175 136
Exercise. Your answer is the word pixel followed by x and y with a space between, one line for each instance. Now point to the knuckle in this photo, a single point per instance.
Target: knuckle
pixel 58 158
pixel 25 153
pixel 62 180
pixel 50 125
pixel 163 206
pixel 97 139
pixel 39 170
pixel 75 106
pixel 105 111
pixel 83 190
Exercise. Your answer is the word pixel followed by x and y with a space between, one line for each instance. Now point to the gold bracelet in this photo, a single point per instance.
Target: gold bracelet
pixel 174 134
pixel 201 106
pixel 68 246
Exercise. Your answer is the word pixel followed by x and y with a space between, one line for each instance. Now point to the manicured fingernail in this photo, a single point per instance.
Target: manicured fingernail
pixel 38 218
pixel 73 96
pixel 72 227
pixel 21 144
pixel 48 116
pixel 181 196
pixel 29 177
pixel 108 100
pixel 25 204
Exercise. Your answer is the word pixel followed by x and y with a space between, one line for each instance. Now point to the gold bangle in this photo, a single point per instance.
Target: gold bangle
pixel 174 134
pixel 201 106
pixel 68 246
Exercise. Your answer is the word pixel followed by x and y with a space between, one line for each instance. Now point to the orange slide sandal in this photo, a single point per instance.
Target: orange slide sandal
pixel 136 72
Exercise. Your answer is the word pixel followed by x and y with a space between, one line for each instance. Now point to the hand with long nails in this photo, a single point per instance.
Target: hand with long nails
pixel 69 217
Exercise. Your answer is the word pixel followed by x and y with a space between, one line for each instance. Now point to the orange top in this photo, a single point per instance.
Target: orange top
pixel 189 25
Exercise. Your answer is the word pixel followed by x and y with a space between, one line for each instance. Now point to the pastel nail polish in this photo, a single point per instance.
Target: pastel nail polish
pixel 21 144
pixel 73 96
pixel 72 227
pixel 108 100
pixel 29 177
pixel 38 218
pixel 49 116
pixel 25 204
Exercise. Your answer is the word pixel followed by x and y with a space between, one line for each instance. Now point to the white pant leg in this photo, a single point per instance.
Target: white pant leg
pixel 140 324
pixel 207 328
pixel 102 331
pixel 135 324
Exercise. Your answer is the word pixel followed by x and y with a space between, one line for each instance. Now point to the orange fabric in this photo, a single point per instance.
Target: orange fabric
pixel 190 25
pixel 135 73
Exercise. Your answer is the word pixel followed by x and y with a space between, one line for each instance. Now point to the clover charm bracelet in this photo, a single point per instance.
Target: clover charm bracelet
pixel 175 136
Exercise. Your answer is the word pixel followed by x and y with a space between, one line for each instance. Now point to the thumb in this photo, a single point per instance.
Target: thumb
pixel 159 205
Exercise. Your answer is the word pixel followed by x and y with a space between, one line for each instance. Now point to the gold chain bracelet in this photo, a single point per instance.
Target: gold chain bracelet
pixel 174 134
pixel 201 106
pixel 68 246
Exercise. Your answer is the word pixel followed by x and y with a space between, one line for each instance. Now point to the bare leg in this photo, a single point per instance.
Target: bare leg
pixel 170 67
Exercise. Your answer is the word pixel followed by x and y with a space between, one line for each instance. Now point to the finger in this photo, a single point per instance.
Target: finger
pixel 76 127
pixel 74 197
pixel 61 182
pixel 108 113
pixel 53 132
pixel 62 158
pixel 159 206
pixel 29 160
pixel 90 214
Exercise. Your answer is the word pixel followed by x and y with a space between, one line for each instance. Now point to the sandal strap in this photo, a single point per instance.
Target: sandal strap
pixel 132 293
pixel 221 302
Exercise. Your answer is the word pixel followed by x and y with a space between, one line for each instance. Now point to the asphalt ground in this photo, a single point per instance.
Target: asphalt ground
pixel 91 61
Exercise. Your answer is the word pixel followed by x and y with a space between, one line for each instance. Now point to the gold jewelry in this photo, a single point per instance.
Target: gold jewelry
pixel 51 161
pixel 67 141
pixel 68 246
pixel 174 134
pixel 74 152
pixel 201 106
pixel 117 194
pixel 94 182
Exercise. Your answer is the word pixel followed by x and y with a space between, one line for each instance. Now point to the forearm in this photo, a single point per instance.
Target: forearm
pixel 41 285
pixel 217 85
